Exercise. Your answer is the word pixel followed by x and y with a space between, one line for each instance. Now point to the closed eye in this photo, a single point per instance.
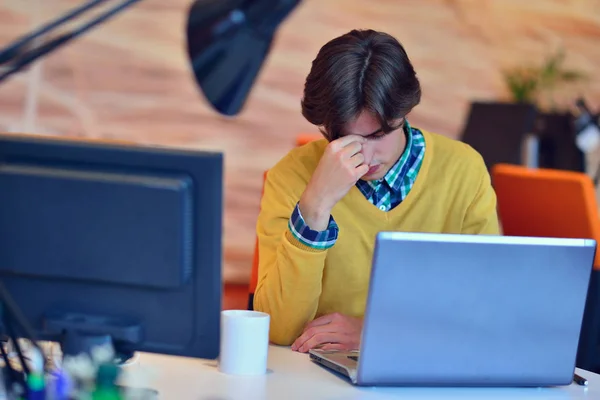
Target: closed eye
pixel 377 135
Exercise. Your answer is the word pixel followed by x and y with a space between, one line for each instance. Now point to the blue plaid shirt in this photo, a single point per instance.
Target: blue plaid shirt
pixel 385 193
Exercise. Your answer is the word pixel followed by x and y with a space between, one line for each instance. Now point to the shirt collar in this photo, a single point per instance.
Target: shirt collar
pixel 393 176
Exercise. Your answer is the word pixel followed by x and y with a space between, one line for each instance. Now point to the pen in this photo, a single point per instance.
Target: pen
pixel 580 380
pixel 62 385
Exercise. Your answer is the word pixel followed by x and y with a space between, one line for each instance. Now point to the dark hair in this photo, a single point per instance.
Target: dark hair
pixel 361 70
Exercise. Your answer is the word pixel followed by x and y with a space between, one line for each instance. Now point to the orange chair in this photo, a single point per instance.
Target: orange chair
pixel 305 138
pixel 546 202
pixel 254 273
pixel 301 140
pixel 555 203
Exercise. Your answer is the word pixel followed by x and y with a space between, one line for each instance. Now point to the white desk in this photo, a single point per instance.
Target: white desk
pixel 293 376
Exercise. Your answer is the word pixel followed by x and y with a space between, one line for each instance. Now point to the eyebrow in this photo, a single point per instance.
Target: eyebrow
pixel 367 135
pixel 373 133
pixel 377 131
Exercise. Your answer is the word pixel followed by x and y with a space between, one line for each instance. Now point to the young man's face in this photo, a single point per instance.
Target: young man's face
pixel 381 150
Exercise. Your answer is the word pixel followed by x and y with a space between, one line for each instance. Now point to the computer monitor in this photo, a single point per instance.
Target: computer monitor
pixel 113 243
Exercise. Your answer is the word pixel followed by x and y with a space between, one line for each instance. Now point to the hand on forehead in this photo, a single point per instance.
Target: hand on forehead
pixel 367 125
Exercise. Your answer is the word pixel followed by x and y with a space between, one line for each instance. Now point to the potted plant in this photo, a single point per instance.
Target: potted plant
pixel 529 84
pixel 538 86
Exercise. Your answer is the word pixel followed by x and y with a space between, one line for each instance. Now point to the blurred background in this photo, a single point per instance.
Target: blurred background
pixel 130 80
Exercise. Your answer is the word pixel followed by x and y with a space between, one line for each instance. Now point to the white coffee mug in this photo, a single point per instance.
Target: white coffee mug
pixel 244 342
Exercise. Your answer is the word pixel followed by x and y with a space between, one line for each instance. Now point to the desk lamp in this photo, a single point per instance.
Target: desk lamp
pixel 227 42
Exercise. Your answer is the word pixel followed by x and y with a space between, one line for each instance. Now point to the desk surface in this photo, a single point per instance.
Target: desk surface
pixel 293 376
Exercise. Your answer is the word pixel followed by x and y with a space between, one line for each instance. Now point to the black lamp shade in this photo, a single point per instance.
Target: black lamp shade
pixel 227 42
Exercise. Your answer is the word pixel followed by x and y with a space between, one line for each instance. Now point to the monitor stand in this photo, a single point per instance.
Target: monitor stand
pixel 73 343
pixel 80 333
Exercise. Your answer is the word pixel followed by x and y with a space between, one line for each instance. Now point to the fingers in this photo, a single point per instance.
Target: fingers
pixel 316 326
pixel 357 159
pixel 361 170
pixel 311 332
pixel 346 146
pixel 325 319
pixel 346 140
pixel 321 339
pixel 331 331
pixel 301 340
pixel 350 150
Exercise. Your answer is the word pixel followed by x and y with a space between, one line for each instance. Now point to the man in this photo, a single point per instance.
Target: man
pixel 324 202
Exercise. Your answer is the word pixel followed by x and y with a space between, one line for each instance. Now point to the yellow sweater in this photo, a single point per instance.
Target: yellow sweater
pixel 452 194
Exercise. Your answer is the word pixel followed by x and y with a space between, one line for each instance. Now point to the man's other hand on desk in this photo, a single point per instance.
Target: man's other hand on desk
pixel 330 332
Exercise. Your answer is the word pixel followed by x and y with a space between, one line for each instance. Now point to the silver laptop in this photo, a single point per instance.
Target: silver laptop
pixel 470 310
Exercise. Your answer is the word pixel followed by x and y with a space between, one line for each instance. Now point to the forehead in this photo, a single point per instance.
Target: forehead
pixel 364 125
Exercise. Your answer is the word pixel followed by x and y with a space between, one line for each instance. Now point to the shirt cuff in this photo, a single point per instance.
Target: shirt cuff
pixel 320 240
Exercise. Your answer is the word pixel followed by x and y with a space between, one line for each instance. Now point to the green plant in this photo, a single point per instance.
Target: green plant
pixel 527 84
pixel 523 84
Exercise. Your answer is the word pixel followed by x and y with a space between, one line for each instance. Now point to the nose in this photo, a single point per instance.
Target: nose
pixel 367 152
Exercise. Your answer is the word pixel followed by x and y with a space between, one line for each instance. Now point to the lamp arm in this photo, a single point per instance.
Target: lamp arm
pixel 24 50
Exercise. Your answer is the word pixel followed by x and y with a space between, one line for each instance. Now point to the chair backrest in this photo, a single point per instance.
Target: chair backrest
pixel 546 202
pixel 254 272
pixel 305 138
pixel 301 140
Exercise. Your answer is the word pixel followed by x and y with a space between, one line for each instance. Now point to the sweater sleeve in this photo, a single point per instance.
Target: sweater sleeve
pixel 289 271
pixel 315 239
pixel 481 217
